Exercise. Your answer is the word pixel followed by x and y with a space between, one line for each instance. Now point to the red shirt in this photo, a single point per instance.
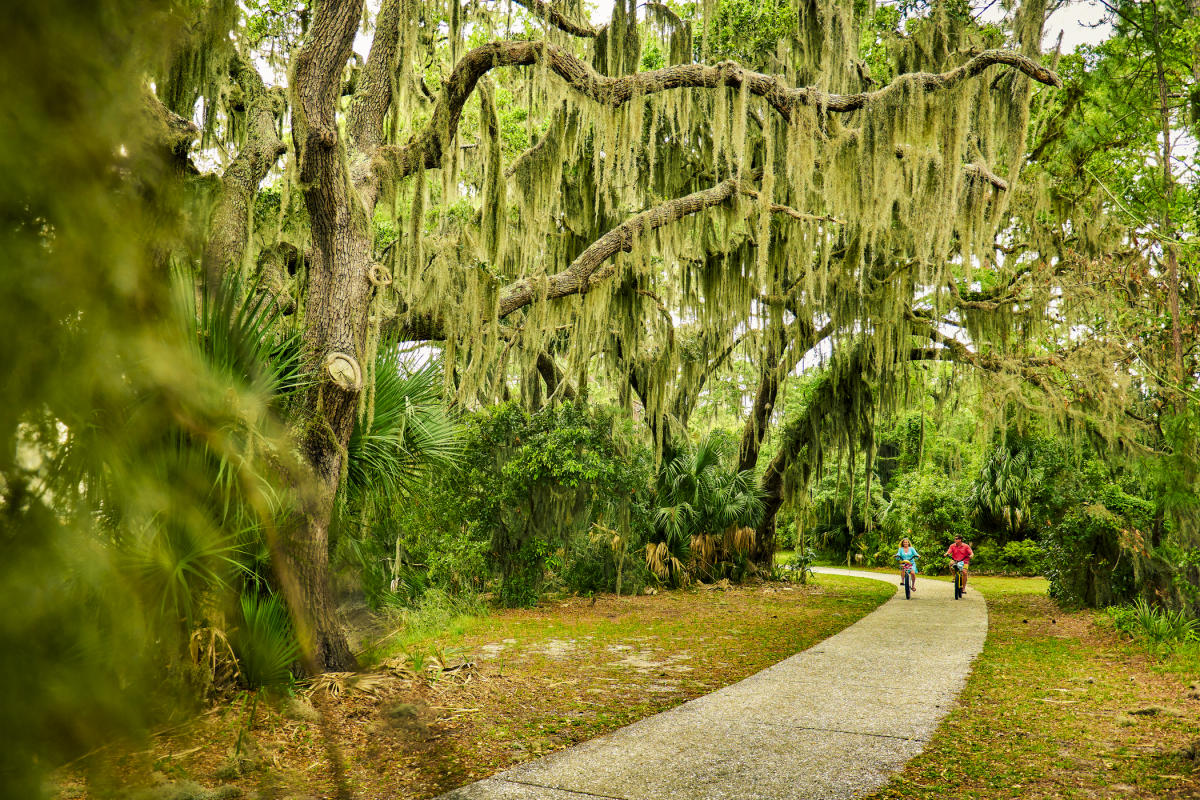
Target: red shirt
pixel 961 552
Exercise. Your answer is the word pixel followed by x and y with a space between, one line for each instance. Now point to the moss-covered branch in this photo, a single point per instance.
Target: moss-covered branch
pixel 551 15
pixel 373 96
pixel 839 409
pixel 166 131
pixel 576 277
pixel 427 147
pixel 230 230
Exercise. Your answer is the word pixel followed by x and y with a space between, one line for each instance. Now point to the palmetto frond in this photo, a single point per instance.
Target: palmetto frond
pixel 263 642
pixel 241 334
pixel 705 506
pixel 408 432
pixel 1004 488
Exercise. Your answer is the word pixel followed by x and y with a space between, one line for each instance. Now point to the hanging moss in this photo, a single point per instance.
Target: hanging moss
pixel 902 196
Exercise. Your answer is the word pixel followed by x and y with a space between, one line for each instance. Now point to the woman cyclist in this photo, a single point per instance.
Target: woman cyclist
pixel 908 553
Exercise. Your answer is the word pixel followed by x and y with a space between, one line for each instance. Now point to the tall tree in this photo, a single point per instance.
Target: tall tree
pixel 566 194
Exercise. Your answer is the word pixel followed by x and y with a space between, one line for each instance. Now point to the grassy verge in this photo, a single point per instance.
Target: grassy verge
pixel 440 709
pixel 1059 705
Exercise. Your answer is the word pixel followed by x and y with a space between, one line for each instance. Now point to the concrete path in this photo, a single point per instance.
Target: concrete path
pixel 834 721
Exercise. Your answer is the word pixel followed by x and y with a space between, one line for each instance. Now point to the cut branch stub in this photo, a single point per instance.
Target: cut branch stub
pixel 379 276
pixel 344 370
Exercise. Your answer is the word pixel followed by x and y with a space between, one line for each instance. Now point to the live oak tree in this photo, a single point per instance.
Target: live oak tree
pixel 560 205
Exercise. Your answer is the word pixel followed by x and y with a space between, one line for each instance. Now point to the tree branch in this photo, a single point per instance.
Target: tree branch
pixel 551 15
pixel 588 267
pixel 777 208
pixel 369 106
pixel 230 229
pixel 167 132
pixel 317 84
pixel 577 276
pixel 981 171
pixel 427 147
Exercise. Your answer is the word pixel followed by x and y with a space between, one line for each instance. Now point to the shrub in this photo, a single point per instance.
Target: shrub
pixel 1160 629
pixel 1089 557
pixel 263 642
pixel 592 563
pixel 987 557
pixel 705 513
pixel 536 482
pixel 1022 557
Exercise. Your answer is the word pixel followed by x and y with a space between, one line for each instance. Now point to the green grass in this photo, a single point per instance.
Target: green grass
pixel 1050 711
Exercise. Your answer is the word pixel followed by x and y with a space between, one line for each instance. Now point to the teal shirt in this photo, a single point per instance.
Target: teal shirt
pixel 909 554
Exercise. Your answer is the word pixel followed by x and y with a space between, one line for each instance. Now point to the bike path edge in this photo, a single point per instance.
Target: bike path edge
pixel 834 721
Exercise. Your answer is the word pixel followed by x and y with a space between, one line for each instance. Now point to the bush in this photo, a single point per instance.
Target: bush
pixel 1160 629
pixel 591 564
pixel 987 558
pixel 797 566
pixel 1089 558
pixel 705 515
pixel 422 543
pixel 930 510
pixel 1022 557
pixel 518 508
pixel 536 482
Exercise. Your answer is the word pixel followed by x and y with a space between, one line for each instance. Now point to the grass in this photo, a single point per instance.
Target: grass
pixel 1060 705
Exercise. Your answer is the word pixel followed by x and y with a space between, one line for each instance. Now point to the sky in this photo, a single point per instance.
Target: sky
pixel 1077 20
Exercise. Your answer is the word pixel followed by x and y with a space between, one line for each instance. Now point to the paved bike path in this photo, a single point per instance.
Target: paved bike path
pixel 834 721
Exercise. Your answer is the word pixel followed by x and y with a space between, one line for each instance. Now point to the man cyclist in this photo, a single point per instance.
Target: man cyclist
pixel 961 551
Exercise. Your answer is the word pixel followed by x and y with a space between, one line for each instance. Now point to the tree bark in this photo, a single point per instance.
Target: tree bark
pixel 336 320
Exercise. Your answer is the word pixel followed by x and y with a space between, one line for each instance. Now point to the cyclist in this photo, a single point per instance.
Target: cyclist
pixel 908 553
pixel 961 551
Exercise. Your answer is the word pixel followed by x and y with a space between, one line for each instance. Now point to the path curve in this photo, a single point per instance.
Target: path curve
pixel 834 721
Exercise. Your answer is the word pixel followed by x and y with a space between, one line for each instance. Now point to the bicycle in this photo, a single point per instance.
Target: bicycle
pixel 906 567
pixel 960 578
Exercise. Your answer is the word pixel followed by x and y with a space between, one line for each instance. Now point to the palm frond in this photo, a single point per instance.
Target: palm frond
pixel 242 334
pixel 408 433
pixel 263 642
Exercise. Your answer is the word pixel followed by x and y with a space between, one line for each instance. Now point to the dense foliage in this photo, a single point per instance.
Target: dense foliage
pixel 668 284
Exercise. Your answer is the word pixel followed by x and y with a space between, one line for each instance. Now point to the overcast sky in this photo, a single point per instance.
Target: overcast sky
pixel 1077 20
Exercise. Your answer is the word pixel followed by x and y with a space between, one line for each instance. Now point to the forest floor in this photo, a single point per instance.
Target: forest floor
pixel 1058 704
pixel 485 694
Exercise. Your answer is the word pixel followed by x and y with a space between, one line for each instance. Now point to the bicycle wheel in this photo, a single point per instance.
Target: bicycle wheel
pixel 958 584
pixel 907 588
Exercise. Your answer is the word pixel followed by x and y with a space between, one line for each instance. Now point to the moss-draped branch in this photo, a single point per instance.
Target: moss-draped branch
pixel 586 268
pixel 548 13
pixel 258 154
pixel 427 147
